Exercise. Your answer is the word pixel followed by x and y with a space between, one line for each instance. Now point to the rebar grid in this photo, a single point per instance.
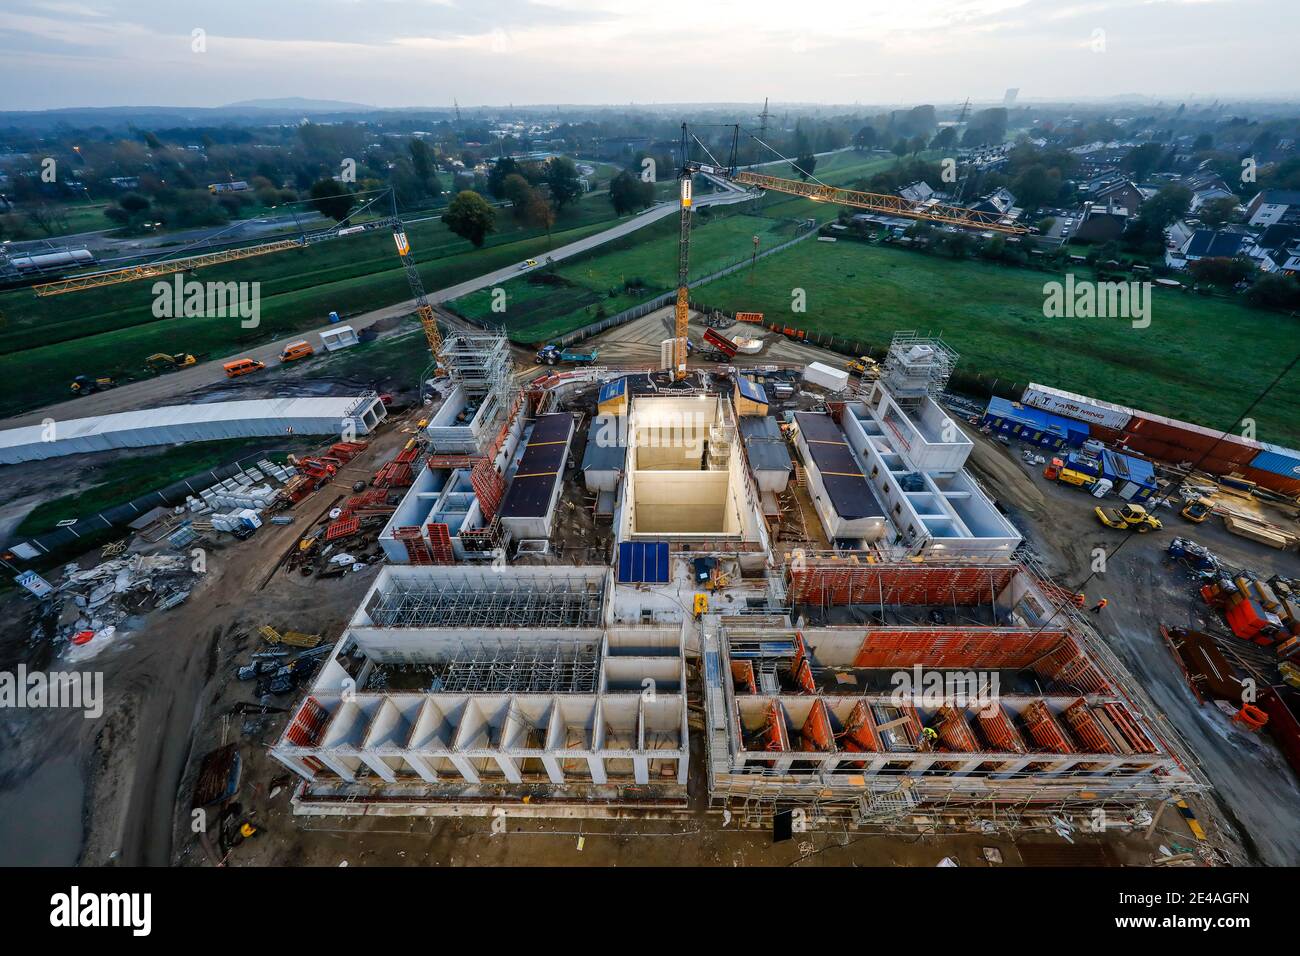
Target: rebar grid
pixel 507 603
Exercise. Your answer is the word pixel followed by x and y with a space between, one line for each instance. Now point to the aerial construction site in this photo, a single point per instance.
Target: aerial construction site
pixel 752 521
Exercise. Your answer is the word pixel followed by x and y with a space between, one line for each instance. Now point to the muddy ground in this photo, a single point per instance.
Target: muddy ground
pixel 116 791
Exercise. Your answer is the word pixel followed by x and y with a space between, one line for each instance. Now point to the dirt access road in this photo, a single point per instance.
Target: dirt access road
pixel 112 798
pixel 1256 796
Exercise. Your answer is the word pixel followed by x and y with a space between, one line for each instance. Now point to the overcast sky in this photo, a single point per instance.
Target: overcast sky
pixel 56 53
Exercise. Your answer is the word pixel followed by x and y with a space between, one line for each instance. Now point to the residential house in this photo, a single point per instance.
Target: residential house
pixel 1101 222
pixel 1208 244
pixel 1273 206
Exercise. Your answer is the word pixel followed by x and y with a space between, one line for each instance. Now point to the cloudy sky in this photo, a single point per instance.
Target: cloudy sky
pixel 56 53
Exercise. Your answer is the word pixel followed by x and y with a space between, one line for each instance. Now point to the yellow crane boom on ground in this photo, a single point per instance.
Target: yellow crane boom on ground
pixel 153 270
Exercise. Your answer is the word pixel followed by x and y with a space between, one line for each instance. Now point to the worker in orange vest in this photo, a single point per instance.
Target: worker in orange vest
pixel 1097 608
pixel 1080 599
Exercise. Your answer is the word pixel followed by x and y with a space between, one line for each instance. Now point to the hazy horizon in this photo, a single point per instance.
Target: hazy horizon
pixel 425 53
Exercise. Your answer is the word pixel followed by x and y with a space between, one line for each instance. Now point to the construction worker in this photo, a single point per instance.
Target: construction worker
pixel 1097 608
pixel 247 831
pixel 929 737
pixel 1080 599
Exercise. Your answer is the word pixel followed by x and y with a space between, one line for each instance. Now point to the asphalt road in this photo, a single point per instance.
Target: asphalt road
pixel 170 389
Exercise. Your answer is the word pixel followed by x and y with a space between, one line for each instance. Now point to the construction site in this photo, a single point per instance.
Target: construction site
pixel 764 595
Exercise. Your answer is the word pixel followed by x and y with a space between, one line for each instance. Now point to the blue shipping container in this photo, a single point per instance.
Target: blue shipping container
pixel 1281 461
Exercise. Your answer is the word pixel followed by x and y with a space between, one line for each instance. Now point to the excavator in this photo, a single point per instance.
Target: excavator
pixel 814 190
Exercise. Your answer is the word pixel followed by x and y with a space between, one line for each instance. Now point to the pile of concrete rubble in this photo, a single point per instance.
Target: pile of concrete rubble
pixel 105 595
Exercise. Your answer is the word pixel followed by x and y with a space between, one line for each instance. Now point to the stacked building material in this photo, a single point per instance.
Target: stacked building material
pixel 341 527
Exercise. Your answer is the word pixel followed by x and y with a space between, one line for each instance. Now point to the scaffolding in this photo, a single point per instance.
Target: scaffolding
pixel 917 366
pixel 493 601
pixel 550 668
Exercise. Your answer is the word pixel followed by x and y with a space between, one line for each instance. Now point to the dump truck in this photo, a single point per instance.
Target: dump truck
pixel 554 354
pixel 1133 517
pixel 718 347
pixel 164 361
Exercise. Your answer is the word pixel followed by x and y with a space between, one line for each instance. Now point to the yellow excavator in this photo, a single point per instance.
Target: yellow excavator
pixel 1130 517
pixel 165 361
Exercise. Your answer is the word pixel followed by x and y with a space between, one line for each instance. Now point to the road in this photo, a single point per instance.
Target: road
pixel 170 389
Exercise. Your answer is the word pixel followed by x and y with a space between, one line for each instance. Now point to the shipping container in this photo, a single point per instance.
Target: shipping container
pixel 1194 438
pixel 1271 481
pixel 1280 461
pixel 1079 407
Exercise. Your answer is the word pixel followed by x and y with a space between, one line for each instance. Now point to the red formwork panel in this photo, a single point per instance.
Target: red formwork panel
pixel 1067 666
pixel 417 548
pixel 1128 728
pixel 489 487
pixel 997 730
pixel 897 584
pixel 955 732
pixel 307 724
pixel 859 734
pixel 440 551
pixel 986 647
pixel 1044 730
pixel 816 731
pixel 1083 725
pixel 342 526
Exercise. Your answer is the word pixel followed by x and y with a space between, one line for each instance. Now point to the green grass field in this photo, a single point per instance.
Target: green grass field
pixel 44 343
pixel 536 312
pixel 594 283
pixel 1201 359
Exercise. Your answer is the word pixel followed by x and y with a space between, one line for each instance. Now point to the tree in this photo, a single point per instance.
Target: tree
pixel 628 193
pixel 422 163
pixel 517 190
pixel 562 178
pixel 1221 271
pixel 1144 159
pixel 1203 142
pixel 1218 211
pixel 501 170
pixel 470 217
pixel 1275 291
pixel 330 198
pixel 916 144
pixel 865 138
pixel 539 214
pixel 1165 207
pixel 946 138
pixel 805 165
pixel 899 148
pixel 1036 186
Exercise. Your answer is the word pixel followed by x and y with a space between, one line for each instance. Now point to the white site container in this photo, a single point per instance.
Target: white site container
pixel 831 379
pixel 339 338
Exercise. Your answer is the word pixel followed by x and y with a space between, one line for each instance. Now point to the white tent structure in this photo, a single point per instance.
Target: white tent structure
pixel 174 424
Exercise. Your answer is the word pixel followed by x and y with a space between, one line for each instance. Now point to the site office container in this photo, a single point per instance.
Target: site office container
pixel 1271 481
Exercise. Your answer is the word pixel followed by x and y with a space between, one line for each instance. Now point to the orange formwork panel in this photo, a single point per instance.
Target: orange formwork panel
pixel 984 647
pixel 801 669
pixel 774 736
pixel 998 731
pixel 859 735
pixel 1067 666
pixel 816 731
pixel 307 724
pixel 342 526
pixel 1043 729
pixel 417 548
pixel 890 584
pixel 742 677
pixel 1128 728
pixel 440 551
pixel 1086 729
pixel 955 732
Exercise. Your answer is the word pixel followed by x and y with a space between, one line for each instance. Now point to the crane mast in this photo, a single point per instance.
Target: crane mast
pixel 683 312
